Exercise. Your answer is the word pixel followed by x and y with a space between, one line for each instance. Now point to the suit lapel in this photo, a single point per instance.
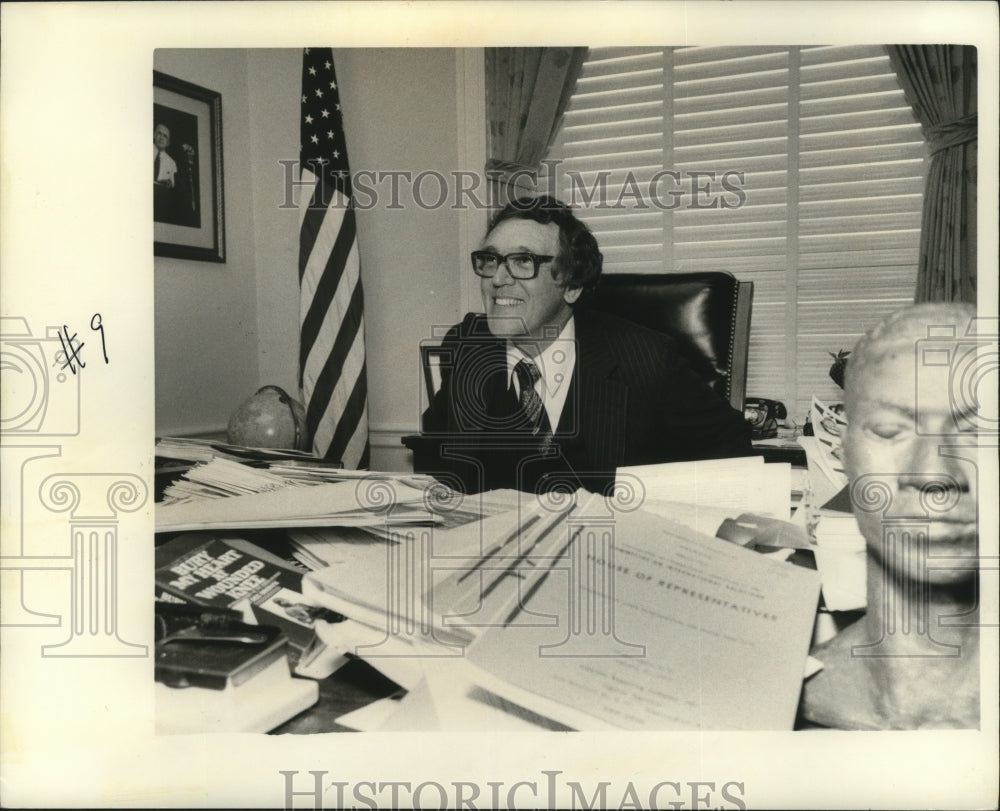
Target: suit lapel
pixel 480 389
pixel 602 398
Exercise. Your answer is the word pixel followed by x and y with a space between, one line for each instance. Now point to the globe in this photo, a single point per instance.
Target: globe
pixel 269 419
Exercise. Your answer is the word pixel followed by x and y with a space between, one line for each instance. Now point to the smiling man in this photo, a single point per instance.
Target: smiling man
pixel 538 394
pixel 910 452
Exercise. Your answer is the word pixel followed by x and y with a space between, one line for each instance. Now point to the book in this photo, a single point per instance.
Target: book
pixel 216 673
pixel 213 648
pixel 225 571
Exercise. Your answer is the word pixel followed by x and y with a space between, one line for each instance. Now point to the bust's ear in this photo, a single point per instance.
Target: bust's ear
pixel 571 294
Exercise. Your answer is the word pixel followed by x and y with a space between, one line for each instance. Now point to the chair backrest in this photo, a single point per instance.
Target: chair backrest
pixel 708 313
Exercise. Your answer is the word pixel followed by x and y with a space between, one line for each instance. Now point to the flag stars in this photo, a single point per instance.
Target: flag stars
pixel 312 71
pixel 309 119
pixel 319 93
pixel 336 154
pixel 325 113
pixel 333 85
pixel 329 134
pixel 315 139
pixel 327 64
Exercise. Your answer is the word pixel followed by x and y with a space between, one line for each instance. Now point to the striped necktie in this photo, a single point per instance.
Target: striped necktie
pixel 527 375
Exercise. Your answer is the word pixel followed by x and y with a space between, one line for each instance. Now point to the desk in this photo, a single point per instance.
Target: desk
pixel 789 451
pixel 353 686
pixel 358 684
pixel 424 450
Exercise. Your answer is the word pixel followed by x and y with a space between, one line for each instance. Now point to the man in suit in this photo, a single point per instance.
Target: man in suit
pixel 537 394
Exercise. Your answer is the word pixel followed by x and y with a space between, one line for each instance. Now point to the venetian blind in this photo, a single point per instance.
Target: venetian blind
pixel 800 169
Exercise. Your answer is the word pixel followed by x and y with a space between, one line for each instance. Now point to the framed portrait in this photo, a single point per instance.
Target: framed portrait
pixel 188 220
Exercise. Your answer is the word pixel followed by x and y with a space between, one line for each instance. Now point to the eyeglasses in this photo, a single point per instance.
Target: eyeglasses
pixel 520 265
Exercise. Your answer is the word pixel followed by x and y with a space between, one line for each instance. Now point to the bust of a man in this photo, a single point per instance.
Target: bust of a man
pixel 912 661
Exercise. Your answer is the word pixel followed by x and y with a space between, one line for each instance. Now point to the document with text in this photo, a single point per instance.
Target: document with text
pixel 641 623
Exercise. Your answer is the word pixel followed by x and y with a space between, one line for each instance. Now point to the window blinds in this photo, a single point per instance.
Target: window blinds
pixel 800 169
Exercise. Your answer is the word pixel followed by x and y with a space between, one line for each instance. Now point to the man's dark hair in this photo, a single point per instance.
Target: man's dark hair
pixel 579 262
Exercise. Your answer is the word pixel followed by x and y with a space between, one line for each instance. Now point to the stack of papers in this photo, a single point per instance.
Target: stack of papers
pixel 219 470
pixel 220 478
pixel 334 504
pixel 204 450
pixel 746 484
pixel 495 618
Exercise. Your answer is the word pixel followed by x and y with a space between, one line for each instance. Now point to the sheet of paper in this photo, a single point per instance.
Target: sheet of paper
pixel 658 627
pixel 447 699
pixel 370 717
pixel 743 483
pixel 753 529
pixel 842 560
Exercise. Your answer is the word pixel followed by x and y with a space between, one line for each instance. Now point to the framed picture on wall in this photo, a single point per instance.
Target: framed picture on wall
pixel 188 220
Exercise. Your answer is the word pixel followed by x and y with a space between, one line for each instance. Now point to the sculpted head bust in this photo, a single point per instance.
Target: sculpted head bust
pixel 913 415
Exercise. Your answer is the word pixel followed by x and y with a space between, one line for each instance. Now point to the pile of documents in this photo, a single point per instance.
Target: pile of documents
pixel 579 615
pixel 570 611
pixel 218 470
pixel 346 504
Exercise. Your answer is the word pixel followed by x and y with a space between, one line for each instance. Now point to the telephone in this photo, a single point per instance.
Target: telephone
pixel 763 416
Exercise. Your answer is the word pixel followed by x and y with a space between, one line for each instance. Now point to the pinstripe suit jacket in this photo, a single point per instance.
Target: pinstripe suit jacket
pixel 633 400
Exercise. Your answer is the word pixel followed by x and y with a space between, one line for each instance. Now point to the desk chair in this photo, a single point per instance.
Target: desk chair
pixel 707 313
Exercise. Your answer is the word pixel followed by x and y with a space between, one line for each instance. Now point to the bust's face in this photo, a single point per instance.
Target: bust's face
pixel 161 136
pixel 907 443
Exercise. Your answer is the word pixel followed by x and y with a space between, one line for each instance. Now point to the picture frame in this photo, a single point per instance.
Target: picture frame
pixel 188 201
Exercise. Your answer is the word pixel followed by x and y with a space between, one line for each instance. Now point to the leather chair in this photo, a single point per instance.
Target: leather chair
pixel 707 313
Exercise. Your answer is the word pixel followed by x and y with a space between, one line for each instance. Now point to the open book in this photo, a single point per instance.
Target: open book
pixel 596 619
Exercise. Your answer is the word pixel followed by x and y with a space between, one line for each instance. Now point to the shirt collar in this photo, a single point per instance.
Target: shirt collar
pixel 555 362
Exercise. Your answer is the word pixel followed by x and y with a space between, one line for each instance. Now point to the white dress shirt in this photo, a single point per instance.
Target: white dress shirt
pixel 556 363
pixel 167 170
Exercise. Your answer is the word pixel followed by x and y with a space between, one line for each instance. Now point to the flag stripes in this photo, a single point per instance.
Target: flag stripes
pixel 332 367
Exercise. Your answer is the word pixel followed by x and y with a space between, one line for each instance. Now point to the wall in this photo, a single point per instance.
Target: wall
pixel 401 113
pixel 206 313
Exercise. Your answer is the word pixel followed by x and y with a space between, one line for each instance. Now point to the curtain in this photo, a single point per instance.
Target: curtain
pixel 940 84
pixel 527 90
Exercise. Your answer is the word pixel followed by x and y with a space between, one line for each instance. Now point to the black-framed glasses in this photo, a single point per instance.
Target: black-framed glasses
pixel 520 264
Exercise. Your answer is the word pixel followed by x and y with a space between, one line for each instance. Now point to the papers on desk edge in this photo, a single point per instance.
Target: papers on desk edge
pixel 591 618
pixel 328 504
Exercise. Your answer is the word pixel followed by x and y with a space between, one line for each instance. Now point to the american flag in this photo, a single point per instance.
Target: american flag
pixel 332 328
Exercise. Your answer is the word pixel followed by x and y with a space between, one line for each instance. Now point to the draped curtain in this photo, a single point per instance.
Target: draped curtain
pixel 527 90
pixel 940 83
